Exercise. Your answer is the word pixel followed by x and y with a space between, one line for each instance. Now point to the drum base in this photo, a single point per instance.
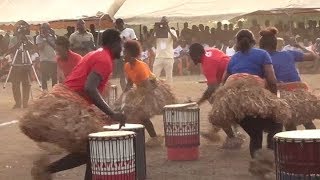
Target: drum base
pixel 292 176
pixel 183 153
pixel 130 176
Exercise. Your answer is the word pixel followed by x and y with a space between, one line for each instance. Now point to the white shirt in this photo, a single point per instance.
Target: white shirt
pixel 176 51
pixel 34 57
pixel 230 51
pixel 291 48
pixel 164 47
pixel 144 55
pixel 206 46
pixel 127 34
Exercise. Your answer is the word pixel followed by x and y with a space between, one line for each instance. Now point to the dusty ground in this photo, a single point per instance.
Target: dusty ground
pixel 17 152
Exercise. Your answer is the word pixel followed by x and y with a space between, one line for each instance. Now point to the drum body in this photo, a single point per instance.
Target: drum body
pixel 141 164
pixel 297 155
pixel 181 127
pixel 113 155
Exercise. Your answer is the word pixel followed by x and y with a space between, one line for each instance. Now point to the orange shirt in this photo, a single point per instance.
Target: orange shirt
pixel 138 72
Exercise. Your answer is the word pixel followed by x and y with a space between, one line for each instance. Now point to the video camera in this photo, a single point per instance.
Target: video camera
pixel 161 30
pixel 22 30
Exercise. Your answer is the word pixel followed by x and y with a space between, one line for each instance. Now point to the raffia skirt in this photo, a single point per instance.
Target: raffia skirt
pixel 63 118
pixel 244 95
pixel 305 105
pixel 140 103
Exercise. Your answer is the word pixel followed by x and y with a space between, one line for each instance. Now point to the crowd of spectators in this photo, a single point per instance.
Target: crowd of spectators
pixel 222 37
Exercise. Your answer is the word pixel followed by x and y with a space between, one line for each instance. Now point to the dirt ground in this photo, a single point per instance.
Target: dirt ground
pixel 17 152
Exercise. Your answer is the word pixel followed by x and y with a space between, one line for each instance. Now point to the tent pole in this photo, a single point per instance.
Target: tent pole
pixel 140 29
pixel 99 28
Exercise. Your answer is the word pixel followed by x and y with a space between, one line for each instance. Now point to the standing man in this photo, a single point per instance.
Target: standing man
pixel 94 33
pixel 46 46
pixel 164 51
pixel 81 41
pixel 20 74
pixel 125 34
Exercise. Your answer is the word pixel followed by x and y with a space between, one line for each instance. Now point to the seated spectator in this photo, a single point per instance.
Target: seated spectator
pixel 145 53
pixel 280 44
pixel 181 57
pixel 230 49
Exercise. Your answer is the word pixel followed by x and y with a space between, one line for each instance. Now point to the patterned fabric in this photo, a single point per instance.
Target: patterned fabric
pixel 293 86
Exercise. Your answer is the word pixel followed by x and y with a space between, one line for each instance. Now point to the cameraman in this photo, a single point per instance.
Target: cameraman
pixel 164 50
pixel 20 74
pixel 46 46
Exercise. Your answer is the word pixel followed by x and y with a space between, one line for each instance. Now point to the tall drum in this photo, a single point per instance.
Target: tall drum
pixel 113 155
pixel 139 146
pixel 181 127
pixel 297 155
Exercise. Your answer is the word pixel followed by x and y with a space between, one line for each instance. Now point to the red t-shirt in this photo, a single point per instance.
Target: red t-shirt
pixel 99 61
pixel 214 63
pixel 67 65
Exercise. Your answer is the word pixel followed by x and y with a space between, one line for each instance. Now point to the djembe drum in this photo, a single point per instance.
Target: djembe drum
pixel 112 155
pixel 139 146
pixel 181 127
pixel 297 155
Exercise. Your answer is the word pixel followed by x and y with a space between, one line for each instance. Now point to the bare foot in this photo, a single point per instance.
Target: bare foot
pixel 211 136
pixel 39 171
pixel 155 141
pixel 232 143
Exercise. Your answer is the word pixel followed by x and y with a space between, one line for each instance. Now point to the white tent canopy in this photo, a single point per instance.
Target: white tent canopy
pixel 141 10
pixel 145 11
pixel 46 10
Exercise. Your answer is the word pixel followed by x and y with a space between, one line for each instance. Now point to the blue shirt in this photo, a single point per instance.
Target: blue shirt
pixel 284 64
pixel 251 62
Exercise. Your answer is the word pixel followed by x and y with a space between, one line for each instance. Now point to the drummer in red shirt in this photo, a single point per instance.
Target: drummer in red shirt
pixel 85 84
pixel 66 59
pixel 214 63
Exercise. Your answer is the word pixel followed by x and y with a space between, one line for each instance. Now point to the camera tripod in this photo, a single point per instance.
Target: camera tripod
pixel 26 61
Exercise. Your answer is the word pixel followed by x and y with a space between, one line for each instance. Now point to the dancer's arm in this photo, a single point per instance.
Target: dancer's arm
pixel 207 94
pixel 91 88
pixel 129 85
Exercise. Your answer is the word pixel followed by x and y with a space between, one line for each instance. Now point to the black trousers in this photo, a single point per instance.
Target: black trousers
pixel 20 76
pixel 48 71
pixel 255 128
pixel 71 161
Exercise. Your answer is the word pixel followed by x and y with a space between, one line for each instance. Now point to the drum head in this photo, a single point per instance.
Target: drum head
pixel 112 134
pixel 299 135
pixel 126 127
pixel 177 106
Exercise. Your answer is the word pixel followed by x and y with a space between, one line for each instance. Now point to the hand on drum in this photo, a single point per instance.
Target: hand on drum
pixel 120 117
